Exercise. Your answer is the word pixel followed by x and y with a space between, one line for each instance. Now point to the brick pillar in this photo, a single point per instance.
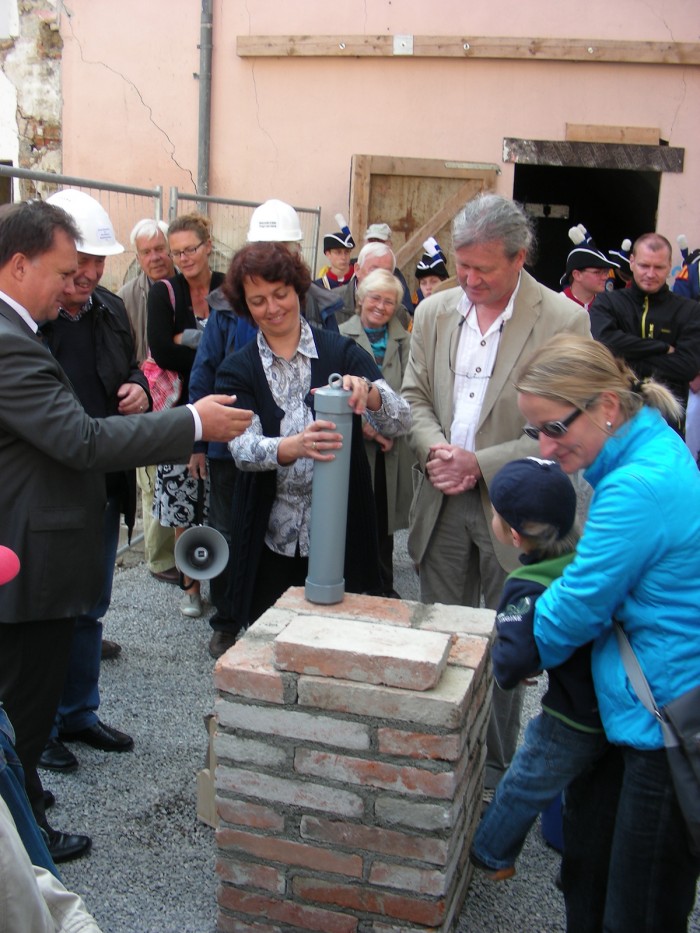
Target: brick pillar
pixel 350 748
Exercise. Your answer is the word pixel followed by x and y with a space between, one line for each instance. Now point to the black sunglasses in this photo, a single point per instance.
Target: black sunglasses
pixel 553 429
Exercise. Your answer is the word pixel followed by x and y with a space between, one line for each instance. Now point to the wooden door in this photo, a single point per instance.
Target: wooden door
pixel 417 198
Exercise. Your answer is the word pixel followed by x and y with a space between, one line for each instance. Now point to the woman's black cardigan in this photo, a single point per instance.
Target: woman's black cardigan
pixel 242 374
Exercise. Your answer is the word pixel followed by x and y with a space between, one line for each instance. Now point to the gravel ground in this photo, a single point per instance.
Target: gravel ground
pixel 151 869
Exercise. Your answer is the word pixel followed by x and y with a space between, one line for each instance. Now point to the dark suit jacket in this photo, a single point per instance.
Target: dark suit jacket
pixel 52 460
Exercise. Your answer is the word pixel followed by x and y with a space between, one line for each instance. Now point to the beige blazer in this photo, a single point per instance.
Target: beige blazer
pixel 428 384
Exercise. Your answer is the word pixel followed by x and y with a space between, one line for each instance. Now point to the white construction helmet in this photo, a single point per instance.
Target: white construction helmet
pixel 96 231
pixel 274 222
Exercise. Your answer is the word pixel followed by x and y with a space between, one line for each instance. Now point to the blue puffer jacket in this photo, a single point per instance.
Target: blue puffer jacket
pixel 639 562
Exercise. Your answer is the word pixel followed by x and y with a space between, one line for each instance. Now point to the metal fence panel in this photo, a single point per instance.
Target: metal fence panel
pixel 125 204
pixel 230 221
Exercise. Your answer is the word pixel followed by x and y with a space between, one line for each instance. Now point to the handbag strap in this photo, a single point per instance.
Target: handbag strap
pixel 169 285
pixel 640 684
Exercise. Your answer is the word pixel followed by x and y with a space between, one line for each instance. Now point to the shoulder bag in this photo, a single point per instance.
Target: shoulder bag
pixel 165 384
pixel 680 725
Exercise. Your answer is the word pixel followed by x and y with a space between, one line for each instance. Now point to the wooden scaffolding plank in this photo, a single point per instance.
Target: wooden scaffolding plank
pixel 630 135
pixel 471 47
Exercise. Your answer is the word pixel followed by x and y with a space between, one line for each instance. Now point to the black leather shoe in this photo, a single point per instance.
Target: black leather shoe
pixel 66 846
pixel 167 576
pixel 110 650
pixel 100 735
pixel 220 642
pixel 49 799
pixel 56 757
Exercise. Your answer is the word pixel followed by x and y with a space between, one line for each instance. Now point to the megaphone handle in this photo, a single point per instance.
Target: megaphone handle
pixel 199 506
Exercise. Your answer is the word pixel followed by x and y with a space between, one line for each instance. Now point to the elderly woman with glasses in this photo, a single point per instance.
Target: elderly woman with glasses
pixel 177 313
pixel 627 863
pixel 377 330
pixel 276 375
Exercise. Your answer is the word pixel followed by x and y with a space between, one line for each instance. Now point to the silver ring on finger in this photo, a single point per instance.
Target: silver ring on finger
pixel 313 445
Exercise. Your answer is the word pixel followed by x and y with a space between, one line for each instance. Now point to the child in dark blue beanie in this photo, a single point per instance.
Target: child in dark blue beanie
pixel 535 510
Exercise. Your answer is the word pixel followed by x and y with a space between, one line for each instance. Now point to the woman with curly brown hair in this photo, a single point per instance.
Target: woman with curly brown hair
pixel 275 375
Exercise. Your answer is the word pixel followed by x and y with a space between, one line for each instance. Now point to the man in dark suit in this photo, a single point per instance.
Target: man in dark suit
pixel 53 457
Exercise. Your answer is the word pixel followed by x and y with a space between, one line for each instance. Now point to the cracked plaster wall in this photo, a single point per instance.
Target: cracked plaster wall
pixel 287 128
pixel 30 87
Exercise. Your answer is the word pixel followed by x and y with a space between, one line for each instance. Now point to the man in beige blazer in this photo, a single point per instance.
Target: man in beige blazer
pixel 468 344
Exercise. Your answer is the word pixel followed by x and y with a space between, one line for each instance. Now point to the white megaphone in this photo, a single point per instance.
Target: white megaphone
pixel 201 552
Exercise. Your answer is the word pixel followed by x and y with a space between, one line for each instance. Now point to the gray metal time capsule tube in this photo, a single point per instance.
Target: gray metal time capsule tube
pixel 325 582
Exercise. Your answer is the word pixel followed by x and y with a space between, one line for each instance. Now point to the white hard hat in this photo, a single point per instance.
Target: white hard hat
pixel 96 231
pixel 274 222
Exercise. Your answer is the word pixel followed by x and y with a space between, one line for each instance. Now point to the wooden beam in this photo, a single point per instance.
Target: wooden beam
pixel 630 135
pixel 470 47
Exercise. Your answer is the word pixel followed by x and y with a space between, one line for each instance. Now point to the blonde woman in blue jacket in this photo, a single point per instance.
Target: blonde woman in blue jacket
pixel 627 864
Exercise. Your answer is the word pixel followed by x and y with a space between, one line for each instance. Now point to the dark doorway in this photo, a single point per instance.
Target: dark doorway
pixel 611 203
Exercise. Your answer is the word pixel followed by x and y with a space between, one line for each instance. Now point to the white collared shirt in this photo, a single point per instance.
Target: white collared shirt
pixel 473 365
pixel 23 313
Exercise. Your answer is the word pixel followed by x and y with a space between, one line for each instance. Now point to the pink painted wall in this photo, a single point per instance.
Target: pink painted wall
pixel 288 127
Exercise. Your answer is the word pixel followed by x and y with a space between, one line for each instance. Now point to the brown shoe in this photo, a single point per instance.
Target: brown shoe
pixel 110 650
pixel 167 576
pixel 220 642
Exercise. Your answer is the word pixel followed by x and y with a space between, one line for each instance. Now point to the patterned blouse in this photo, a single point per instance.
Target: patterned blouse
pixel 290 382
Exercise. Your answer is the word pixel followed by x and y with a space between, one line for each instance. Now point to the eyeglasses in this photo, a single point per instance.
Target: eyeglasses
pixel 383 302
pixel 187 251
pixel 553 429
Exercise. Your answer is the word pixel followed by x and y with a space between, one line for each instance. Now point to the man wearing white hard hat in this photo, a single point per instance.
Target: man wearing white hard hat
pixel 53 458
pixel 275 221
pixel 91 338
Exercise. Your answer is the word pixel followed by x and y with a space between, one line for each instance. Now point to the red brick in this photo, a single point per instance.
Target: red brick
pixel 370 773
pixel 249 814
pixel 459 620
pixel 375 839
pixel 274 849
pixel 420 744
pixel 295 793
pixel 291 723
pixel 250 751
pixel 353 606
pixel 359 897
pixel 299 915
pixel 407 812
pixel 469 651
pixel 364 652
pixel 408 878
pixel 443 707
pixel 377 926
pixel 250 875
pixel 227 924
pixel 248 670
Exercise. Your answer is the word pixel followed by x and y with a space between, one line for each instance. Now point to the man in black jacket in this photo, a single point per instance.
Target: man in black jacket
pixel 91 339
pixel 656 332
